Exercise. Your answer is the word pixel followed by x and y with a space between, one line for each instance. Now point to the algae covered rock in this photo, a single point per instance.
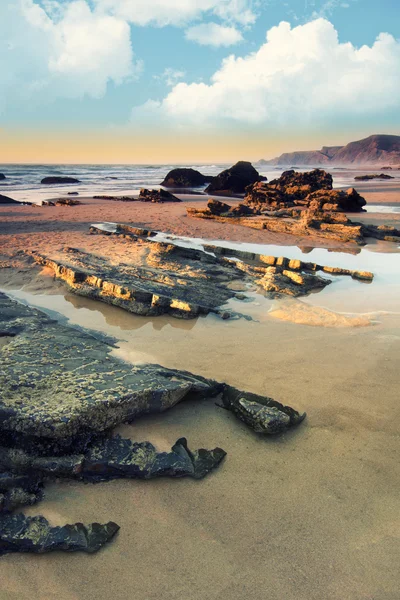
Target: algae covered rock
pixel 262 414
pixel 19 533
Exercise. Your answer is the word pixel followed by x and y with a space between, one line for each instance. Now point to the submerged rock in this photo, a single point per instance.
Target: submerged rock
pixel 58 180
pixel 185 178
pixel 67 202
pixel 19 533
pixel 234 180
pixel 2 177
pixel 262 414
pixel 157 196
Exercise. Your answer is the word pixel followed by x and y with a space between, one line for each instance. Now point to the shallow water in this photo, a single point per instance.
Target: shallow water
pixel 311 515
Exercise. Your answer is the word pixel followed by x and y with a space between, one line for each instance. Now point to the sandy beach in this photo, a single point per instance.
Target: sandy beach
pixel 309 515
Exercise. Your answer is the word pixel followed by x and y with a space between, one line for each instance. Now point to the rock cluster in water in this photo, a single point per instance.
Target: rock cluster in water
pixel 61 393
pixel 165 278
pixel 374 176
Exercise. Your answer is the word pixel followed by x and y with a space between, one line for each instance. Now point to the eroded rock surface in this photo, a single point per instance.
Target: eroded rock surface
pixel 312 189
pixel 60 394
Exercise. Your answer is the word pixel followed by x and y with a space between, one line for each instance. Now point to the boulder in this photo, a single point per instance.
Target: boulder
pixel 234 180
pixel 58 180
pixel 2 177
pixel 299 185
pixel 7 200
pixel 157 196
pixel 183 178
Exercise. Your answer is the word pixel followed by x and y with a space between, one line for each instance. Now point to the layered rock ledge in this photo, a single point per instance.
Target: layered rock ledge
pixel 61 393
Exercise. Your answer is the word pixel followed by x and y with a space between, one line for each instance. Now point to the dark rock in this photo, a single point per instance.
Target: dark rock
pixel 312 189
pixel 7 200
pixel 73 193
pixel 374 176
pixel 19 533
pixel 48 203
pixel 121 458
pixel 157 196
pixel 234 180
pixel 262 414
pixel 2 177
pixel 218 208
pixel 183 178
pixel 67 202
pixel 58 180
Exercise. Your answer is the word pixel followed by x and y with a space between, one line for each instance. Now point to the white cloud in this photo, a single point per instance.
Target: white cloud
pixel 211 34
pixel 70 51
pixel 179 12
pixel 170 76
pixel 300 75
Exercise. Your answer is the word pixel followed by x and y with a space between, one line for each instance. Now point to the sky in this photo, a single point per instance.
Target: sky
pixel 143 81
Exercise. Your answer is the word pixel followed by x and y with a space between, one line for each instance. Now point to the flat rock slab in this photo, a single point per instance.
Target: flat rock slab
pixel 57 381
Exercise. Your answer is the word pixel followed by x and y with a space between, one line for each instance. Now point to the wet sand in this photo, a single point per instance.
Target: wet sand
pixel 312 515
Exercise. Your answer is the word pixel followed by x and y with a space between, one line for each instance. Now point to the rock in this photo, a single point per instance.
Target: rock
pixel 234 180
pixel 312 189
pixel 19 533
pixel 48 203
pixel 2 177
pixel 157 196
pixel 262 414
pixel 73 193
pixel 218 208
pixel 67 202
pixel 121 458
pixel 59 180
pixel 374 176
pixel 185 178
pixel 7 200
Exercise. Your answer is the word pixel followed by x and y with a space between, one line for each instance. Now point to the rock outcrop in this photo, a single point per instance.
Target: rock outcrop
pixel 61 392
pixel 312 189
pixel 185 178
pixel 373 176
pixel 2 177
pixel 7 200
pixel 373 150
pixel 157 196
pixel 234 181
pixel 54 180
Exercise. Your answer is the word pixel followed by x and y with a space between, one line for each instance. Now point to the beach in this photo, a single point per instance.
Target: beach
pixel 308 515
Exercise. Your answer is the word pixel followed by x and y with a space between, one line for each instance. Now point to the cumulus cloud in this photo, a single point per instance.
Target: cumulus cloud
pixel 212 34
pixel 69 51
pixel 179 12
pixel 299 75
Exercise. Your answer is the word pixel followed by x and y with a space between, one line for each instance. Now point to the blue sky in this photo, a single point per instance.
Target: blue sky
pixel 113 65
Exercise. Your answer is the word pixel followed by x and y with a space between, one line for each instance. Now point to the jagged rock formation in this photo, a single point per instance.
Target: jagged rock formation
pixel 157 196
pixel 7 200
pixel 2 177
pixel 373 150
pixel 169 279
pixel 304 222
pixel 61 392
pixel 19 533
pixel 373 176
pixel 53 180
pixel 312 189
pixel 234 181
pixel 185 178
